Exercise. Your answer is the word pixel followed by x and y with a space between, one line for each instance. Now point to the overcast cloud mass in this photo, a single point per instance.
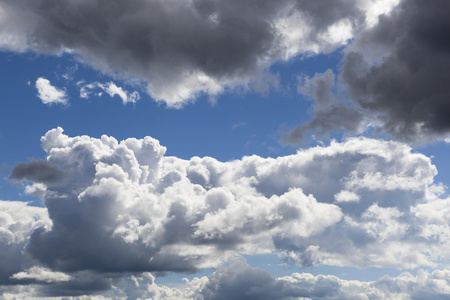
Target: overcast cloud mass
pixel 116 214
pixel 180 49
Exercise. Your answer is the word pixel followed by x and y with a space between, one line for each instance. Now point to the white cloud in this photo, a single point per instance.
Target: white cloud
pixel 111 89
pixel 17 222
pixel 50 94
pixel 41 274
pixel 346 196
pixel 360 193
pixel 129 208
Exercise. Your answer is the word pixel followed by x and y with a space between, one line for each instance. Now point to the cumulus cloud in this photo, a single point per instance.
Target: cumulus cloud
pixel 395 76
pixel 50 94
pixel 238 280
pixel 17 222
pixel 396 71
pixel 111 89
pixel 198 47
pixel 124 207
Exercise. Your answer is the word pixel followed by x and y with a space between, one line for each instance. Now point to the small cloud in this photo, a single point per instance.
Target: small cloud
pixel 38 171
pixel 238 124
pixel 50 94
pixel 41 274
pixel 346 196
pixel 111 89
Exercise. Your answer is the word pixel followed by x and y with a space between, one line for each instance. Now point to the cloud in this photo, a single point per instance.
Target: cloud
pixel 17 222
pixel 50 94
pixel 238 280
pixel 126 208
pixel 394 74
pixel 396 71
pixel 41 274
pixel 112 89
pixel 331 112
pixel 201 47
pixel 39 171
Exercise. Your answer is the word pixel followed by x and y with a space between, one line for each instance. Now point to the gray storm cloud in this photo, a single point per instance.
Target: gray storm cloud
pixel 393 78
pixel 181 49
pixel 407 89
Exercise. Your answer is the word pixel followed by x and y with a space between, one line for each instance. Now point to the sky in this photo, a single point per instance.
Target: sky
pixel 223 149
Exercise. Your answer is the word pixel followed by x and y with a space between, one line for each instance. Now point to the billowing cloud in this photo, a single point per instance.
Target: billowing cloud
pixel 240 281
pixel 111 89
pixel 17 222
pixel 124 207
pixel 395 75
pixel 397 71
pixel 181 50
pixel 50 94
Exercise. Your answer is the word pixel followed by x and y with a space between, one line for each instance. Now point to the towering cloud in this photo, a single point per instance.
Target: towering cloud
pixel 124 207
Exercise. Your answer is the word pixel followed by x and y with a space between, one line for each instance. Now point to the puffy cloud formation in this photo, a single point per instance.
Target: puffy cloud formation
pixel 182 49
pixel 50 94
pixel 17 223
pixel 397 70
pixel 111 89
pixel 124 207
pixel 395 74
pixel 240 281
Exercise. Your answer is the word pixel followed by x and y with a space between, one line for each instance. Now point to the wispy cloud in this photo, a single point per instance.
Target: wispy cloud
pixel 238 124
pixel 111 89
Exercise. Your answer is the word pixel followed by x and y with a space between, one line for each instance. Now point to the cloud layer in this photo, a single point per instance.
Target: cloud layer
pixel 181 50
pixel 124 207
pixel 238 281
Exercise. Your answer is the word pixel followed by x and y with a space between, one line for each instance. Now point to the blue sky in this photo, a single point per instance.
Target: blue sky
pixel 259 149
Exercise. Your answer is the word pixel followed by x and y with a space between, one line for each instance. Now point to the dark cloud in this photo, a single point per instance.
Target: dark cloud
pixel 329 112
pixel 393 79
pixel 84 283
pixel 180 49
pixel 37 171
pixel 407 89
